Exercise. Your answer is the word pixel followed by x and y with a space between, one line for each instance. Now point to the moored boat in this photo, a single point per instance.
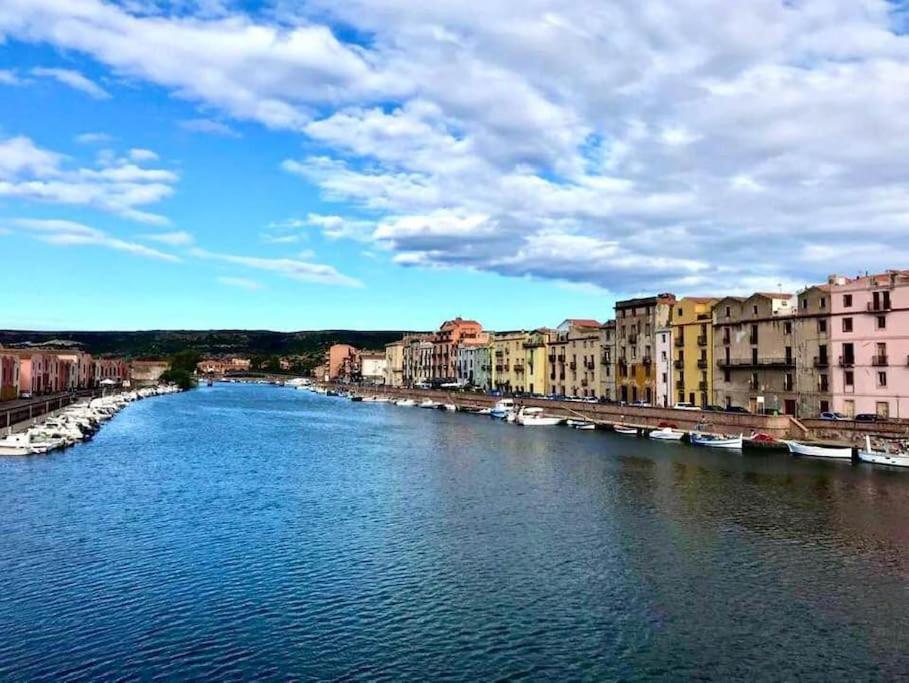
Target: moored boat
pixel 450 407
pixel 501 409
pixel 666 434
pixel 868 454
pixel 429 403
pixel 585 425
pixel 820 450
pixel 533 417
pixel 715 441
pixel 406 402
pixel 20 444
pixel 624 429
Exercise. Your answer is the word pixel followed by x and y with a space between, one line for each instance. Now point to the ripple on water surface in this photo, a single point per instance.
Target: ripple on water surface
pixel 257 532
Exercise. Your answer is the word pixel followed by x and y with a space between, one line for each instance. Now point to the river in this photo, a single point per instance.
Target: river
pixel 240 532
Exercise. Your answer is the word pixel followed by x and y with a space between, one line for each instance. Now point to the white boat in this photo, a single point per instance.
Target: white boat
pixel 450 407
pixel 585 425
pixel 622 429
pixel 429 403
pixel 406 402
pixel 20 444
pixel 666 434
pixel 820 451
pixel 533 417
pixel 867 454
pixel 483 411
pixel 502 408
pixel 714 441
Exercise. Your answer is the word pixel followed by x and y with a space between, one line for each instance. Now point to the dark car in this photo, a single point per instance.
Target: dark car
pixel 869 417
pixel 714 409
pixel 737 409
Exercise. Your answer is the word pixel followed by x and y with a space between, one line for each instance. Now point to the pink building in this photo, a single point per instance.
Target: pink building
pixel 9 376
pixel 35 372
pixel 343 361
pixel 869 340
pixel 82 369
pixel 445 342
pixel 115 369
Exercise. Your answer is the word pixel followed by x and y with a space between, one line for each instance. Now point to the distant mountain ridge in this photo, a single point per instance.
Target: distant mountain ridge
pixel 160 343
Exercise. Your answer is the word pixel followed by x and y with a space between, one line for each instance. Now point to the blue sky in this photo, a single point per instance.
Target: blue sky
pixel 374 164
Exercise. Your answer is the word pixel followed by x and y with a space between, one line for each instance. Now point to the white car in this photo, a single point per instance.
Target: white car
pixel 685 406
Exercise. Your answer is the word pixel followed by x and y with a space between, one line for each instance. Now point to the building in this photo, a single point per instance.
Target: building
pixel 83 368
pixel 637 321
pixel 34 373
pixel 9 376
pixel 575 355
pixel 812 351
pixel 754 348
pixel 508 360
pixel 470 357
pixel 445 343
pixel 372 367
pixel 223 366
pixel 484 368
pixel 394 363
pixel 692 350
pixel 664 371
pixel 606 374
pixel 869 344
pixel 111 370
pixel 146 372
pixel 342 361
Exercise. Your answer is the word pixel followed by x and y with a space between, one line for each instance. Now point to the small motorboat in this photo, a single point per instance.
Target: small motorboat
pixel 20 444
pixel 867 454
pixel 666 434
pixel 585 425
pixel 623 429
pixel 533 417
pixel 429 403
pixel 356 398
pixel 820 450
pixel 406 402
pixel 715 440
pixel 450 407
pixel 501 409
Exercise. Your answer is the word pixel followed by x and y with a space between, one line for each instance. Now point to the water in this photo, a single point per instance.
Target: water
pixel 244 532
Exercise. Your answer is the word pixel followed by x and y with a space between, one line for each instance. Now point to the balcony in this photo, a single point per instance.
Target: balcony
pixel 606 360
pixel 633 339
pixel 702 340
pixel 678 364
pixel 647 360
pixel 702 363
pixel 590 365
pixel 584 382
pixel 573 365
pixel 759 363
pixel 846 361
pixel 821 362
pixel 702 385
pixel 519 369
pixel 680 384
pixel 879 361
pixel 753 340
pixel 882 307
pixel 499 368
pixel 552 358
pixel 679 342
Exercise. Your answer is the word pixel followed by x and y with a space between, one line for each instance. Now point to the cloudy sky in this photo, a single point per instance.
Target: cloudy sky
pixel 388 163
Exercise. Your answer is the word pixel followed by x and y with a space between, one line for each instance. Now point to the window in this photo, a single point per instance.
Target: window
pixel 728 311
pixel 754 380
pixel 787 382
pixel 665 378
pixel 755 308
pixel 847 300
pixel 822 325
pixel 823 302
pixel 787 327
pixel 804 303
pixel 882 379
pixel 882 322
pixel 847 324
pixel 727 376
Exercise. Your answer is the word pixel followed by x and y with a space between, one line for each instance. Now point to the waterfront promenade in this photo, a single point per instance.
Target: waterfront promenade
pixel 22 410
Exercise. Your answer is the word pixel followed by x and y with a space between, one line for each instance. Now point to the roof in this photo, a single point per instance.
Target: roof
pixel 773 295
pixel 582 322
pixel 700 299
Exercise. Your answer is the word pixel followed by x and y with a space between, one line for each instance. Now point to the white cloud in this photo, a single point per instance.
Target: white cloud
pixel 630 146
pixel 294 269
pixel 142 155
pixel 66 233
pixel 93 138
pixel 209 126
pixel 8 77
pixel 119 186
pixel 241 282
pixel 74 80
pixel 177 238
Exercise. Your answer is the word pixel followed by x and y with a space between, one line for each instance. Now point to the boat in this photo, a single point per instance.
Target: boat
pixel 715 441
pixel 429 403
pixel 868 454
pixel 501 409
pixel 533 417
pixel 623 429
pixel 406 402
pixel 666 434
pixel 585 425
pixel 820 450
pixel 765 441
pixel 20 444
pixel 356 398
pixel 450 407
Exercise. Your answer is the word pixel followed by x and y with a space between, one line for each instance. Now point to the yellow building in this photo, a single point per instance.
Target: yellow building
pixel 692 349
pixel 519 361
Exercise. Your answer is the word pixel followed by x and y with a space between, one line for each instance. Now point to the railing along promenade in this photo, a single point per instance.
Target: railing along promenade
pixel 24 409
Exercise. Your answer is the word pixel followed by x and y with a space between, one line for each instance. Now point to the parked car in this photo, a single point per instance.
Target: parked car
pixel 685 406
pixel 605 399
pixel 869 417
pixel 640 404
pixel 25 394
pixel 714 409
pixel 737 409
pixel 833 416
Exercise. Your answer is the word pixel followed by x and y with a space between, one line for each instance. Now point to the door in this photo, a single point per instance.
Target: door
pixel 882 408
pixel 789 406
pixel 849 407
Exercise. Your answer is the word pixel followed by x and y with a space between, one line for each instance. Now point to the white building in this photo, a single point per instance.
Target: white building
pixel 373 367
pixel 663 374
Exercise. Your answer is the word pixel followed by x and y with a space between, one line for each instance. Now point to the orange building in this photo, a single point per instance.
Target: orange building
pixel 445 342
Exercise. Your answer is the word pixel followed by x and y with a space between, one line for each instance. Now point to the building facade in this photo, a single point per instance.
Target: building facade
pixel 692 350
pixel 394 363
pixel 575 359
pixel 637 321
pixel 869 344
pixel 9 376
pixel 754 348
pixel 663 372
pixel 372 367
pixel 450 335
